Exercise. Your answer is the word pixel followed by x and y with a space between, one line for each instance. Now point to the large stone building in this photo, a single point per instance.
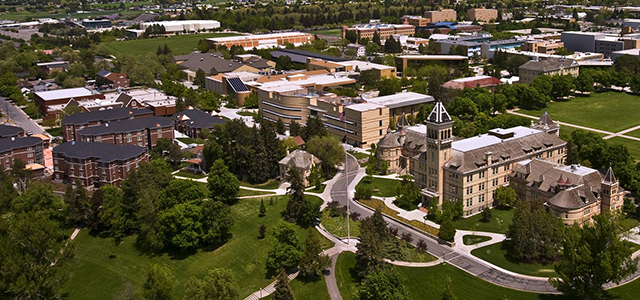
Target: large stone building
pixel 472 169
pixel 574 193
pixel 384 30
pixel 143 132
pixel 550 66
pixel 96 164
pixel 441 15
pixel 482 14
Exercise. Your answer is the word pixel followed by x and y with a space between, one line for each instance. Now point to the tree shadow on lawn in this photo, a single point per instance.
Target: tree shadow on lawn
pixel 506 247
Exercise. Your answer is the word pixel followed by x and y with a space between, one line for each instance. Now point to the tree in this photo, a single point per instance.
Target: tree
pixel 112 215
pixel 127 292
pixel 181 226
pixel 313 262
pixel 280 127
pixel 535 235
pixel 562 86
pixel 421 246
pixel 223 185
pixel 296 194
pixel 592 256
pixel 371 248
pixel 351 36
pixel 78 206
pixel 487 214
pixel 448 290
pixel 261 231
pixel 505 196
pixel 216 222
pixel 294 128
pixel 159 283
pixel 34 256
pixel 286 249
pixel 283 291
pixel 376 38
pixel 408 194
pixel 199 79
pixel 447 230
pixel 389 86
pixel 263 209
pixel 363 192
pixel 218 284
pixel 314 127
pixel 382 283
pixel 284 63
pixel 328 150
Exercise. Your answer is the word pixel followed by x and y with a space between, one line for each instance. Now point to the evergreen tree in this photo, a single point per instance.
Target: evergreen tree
pixel 371 248
pixel 261 231
pixel 199 80
pixel 313 262
pixel 166 49
pixel 280 127
pixel 294 128
pixel 263 209
pixel 376 38
pixel 283 291
pixel 296 194
pixel 448 290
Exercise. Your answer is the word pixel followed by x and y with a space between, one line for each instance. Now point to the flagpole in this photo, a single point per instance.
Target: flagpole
pixel 346 169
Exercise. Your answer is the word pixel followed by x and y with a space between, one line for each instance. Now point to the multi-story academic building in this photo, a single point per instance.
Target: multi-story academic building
pixel 482 14
pixel 441 15
pixel 471 169
pixel 96 164
pixel 384 30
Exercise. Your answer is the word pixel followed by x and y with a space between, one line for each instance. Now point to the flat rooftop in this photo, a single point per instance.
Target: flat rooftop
pixel 401 99
pixel 361 107
pixel 365 65
pixel 433 57
pixel 258 36
pixel 486 139
pixel 65 93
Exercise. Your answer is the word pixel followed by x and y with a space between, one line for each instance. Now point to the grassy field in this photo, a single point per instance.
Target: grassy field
pixel 55 131
pixel 470 239
pixel 308 289
pixel 632 145
pixel 190 175
pixel 499 222
pixel 338 225
pixel 414 256
pixel 610 111
pixel 272 184
pixel 97 276
pixel 316 190
pixel 497 255
pixel 187 140
pixel 244 193
pixel 345 276
pixel 180 44
pixel 332 32
pixel 381 186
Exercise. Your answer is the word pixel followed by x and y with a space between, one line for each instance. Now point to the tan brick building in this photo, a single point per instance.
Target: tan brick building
pixel 482 14
pixel 441 15
pixel 416 21
pixel 472 169
pixel 261 41
pixel 542 46
pixel 96 164
pixel 143 132
pixel 383 30
pixel 550 66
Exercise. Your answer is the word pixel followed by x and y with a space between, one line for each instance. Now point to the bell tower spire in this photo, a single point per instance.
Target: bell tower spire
pixel 439 139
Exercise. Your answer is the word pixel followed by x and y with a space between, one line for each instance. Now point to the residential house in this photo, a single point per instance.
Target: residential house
pixel 302 160
pixel 112 80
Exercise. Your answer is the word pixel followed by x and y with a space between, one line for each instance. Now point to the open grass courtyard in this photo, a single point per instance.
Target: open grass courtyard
pixel 499 223
pixel 382 187
pixel 497 254
pixel 632 145
pixel 101 267
pixel 609 111
pixel 179 44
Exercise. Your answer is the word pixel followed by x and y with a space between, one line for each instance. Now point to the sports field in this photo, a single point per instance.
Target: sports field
pixel 331 32
pixel 179 44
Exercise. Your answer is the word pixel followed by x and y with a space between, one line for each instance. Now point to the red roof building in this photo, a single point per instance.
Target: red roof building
pixel 472 82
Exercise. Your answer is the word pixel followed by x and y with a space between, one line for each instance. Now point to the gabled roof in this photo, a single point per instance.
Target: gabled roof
pixel 10 144
pixel 439 114
pixel 197 119
pixel 549 64
pixel 212 63
pixel 9 130
pixel 103 73
pixel 102 152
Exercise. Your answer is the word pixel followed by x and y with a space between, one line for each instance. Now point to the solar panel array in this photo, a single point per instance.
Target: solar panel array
pixel 237 85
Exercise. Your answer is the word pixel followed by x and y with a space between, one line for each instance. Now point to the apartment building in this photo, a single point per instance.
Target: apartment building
pixel 143 132
pixel 482 14
pixel 71 125
pixel 542 46
pixel 416 21
pixel 96 164
pixel 261 41
pixel 27 149
pixel 550 66
pixel 384 30
pixel 441 15
pixel 472 169
pixel 9 131
pixel 56 97
pixel 191 122
pixel 574 193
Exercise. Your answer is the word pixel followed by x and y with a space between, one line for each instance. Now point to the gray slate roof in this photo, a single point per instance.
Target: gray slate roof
pixel 299 158
pixel 549 64
pixel 102 152
pixel 10 144
pixel 213 63
pixel 573 198
pixel 198 119
pixel 127 126
pixel 9 130
pixel 106 115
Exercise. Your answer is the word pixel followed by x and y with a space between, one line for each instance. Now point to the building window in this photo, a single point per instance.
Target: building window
pixel 469 190
pixel 380 132
pixel 481 174
pixel 566 215
pixel 380 123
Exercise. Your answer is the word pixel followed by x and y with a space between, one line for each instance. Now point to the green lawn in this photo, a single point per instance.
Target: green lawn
pixel 332 32
pixel 303 289
pixel 272 184
pixel 244 193
pixel 635 133
pixel 55 131
pixel 315 190
pixel 497 255
pixel 610 111
pixel 632 145
pixel 179 44
pixel 359 155
pixel 470 239
pixel 187 140
pixel 629 223
pixel 381 186
pixel 96 276
pixel 345 276
pixel 338 225
pixel 190 175
pixel 414 256
pixel 499 222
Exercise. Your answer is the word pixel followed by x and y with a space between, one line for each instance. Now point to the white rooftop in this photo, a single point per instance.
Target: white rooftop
pixel 65 93
pixel 473 78
pixel 576 169
pixel 486 139
pixel 182 22
pixel 401 99
pixel 364 106
pixel 365 65
pixel 258 36
pixel 325 80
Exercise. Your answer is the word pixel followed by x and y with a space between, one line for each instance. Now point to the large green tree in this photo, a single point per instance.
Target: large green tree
pixel 218 284
pixel 592 256
pixel 223 185
pixel 159 284
pixel 286 248
pixel 505 196
pixel 382 283
pixel 327 149
pixel 535 234
pixel 313 262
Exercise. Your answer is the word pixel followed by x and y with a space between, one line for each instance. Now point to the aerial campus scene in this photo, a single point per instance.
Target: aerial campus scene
pixel 319 149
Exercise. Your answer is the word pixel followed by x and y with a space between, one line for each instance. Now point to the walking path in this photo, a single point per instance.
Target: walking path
pixel 608 134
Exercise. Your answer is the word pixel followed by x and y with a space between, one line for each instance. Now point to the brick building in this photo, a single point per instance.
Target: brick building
pixel 72 124
pixel 192 121
pixel 383 30
pixel 261 41
pixel 96 164
pixel 112 80
pixel 26 149
pixel 143 132
pixel 441 15
pixel 7 131
pixel 482 14
pixel 49 98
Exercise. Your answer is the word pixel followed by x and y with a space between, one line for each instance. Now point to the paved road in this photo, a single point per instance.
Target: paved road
pixel 18 117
